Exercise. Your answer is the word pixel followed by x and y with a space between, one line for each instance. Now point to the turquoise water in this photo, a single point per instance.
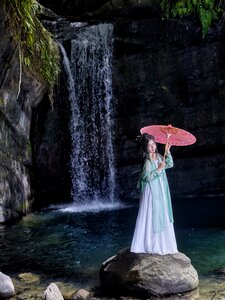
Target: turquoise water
pixel 72 244
pixel 204 246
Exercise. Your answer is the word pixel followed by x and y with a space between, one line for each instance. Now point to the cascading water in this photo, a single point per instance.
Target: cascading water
pixel 90 88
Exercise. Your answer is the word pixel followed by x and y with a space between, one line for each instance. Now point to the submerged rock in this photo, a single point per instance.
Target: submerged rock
pixel 7 289
pixel 52 293
pixel 149 274
pixel 29 277
pixel 220 271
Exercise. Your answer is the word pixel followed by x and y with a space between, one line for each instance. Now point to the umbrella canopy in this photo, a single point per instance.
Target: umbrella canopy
pixel 164 133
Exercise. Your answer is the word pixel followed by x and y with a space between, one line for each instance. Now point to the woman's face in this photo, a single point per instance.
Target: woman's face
pixel 151 146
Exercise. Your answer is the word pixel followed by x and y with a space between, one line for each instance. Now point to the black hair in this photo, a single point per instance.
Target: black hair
pixel 145 138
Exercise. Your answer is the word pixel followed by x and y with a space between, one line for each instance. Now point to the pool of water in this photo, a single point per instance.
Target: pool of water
pixel 72 243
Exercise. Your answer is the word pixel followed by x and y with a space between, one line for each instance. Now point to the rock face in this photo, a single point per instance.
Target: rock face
pixel 7 289
pixel 15 123
pixel 50 139
pixel 33 150
pixel 149 274
pixel 166 73
pixel 103 9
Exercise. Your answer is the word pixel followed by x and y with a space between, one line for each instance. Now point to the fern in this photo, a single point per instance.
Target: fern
pixel 36 44
pixel 206 10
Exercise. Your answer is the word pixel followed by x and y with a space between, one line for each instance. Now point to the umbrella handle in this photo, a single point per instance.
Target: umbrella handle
pixel 167 139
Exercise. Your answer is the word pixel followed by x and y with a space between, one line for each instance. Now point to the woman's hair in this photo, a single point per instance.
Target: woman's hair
pixel 145 138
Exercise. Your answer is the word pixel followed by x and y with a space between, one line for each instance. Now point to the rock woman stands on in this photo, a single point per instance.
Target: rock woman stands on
pixel 154 232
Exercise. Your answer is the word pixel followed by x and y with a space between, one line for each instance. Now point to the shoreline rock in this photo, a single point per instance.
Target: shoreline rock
pixel 52 293
pixel 82 294
pixel 148 274
pixel 7 289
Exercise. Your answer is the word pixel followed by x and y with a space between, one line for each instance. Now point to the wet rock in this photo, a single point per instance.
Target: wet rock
pixel 220 271
pixel 149 274
pixel 52 293
pixel 81 295
pixel 67 289
pixel 212 287
pixel 7 289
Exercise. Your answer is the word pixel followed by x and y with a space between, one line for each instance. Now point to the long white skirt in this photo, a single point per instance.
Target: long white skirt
pixel 144 239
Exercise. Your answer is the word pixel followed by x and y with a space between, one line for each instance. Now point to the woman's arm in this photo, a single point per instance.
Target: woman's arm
pixel 148 174
pixel 169 161
pixel 168 156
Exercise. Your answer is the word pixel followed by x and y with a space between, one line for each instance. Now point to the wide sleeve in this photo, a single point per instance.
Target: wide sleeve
pixel 148 174
pixel 169 161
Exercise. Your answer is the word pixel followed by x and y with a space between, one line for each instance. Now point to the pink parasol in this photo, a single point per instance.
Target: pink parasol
pixel 167 133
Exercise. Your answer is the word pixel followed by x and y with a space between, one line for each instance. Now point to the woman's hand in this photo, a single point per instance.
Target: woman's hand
pixel 161 166
pixel 167 147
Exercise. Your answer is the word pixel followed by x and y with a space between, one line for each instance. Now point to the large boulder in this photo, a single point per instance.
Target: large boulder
pixel 7 289
pixel 148 274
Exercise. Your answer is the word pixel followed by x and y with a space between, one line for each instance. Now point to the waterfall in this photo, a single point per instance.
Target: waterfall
pixel 89 73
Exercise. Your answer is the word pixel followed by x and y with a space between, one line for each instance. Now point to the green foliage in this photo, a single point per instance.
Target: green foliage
pixel 206 10
pixel 29 148
pixel 1 101
pixel 39 52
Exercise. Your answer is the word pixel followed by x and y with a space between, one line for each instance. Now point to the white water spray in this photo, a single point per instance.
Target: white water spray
pixel 90 91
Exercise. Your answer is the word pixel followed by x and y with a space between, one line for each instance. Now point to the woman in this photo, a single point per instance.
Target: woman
pixel 154 232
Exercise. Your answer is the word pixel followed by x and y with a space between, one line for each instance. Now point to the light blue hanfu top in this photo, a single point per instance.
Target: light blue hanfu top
pixel 150 176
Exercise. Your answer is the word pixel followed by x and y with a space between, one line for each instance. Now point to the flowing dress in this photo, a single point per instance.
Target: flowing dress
pixel 154 231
